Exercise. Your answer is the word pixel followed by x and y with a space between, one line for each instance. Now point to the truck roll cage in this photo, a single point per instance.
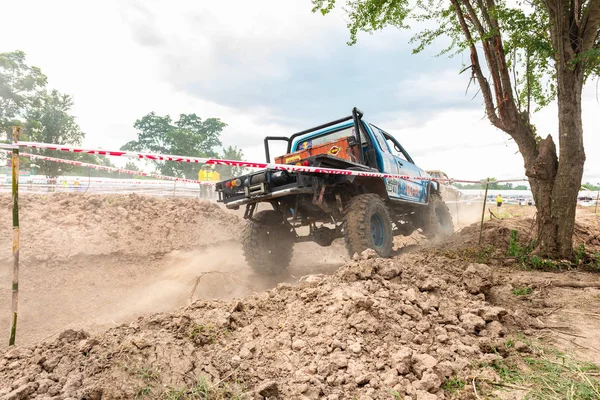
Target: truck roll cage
pixel 355 117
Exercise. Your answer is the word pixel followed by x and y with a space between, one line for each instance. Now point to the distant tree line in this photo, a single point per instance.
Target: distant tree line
pixel 590 186
pixel 493 185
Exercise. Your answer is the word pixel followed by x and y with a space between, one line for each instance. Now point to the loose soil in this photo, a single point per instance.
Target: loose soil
pixel 335 328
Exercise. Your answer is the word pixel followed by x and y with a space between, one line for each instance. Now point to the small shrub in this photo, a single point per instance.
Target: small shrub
pixel 522 291
pixel 514 249
pixel 454 385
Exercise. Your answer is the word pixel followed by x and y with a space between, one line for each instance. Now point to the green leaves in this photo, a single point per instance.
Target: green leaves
pixel 226 171
pixel 49 121
pixel 523 27
pixel 369 15
pixel 20 88
pixel 188 136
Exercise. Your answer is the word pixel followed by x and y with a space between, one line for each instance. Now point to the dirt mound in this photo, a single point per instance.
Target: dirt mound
pixel 497 233
pixel 377 327
pixel 58 227
pixel 95 261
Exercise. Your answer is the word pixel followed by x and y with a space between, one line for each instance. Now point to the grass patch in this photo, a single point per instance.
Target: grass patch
pixel 454 385
pixel 142 392
pixel 148 374
pixel 522 291
pixel 394 393
pixel 582 258
pixel 207 334
pixel 202 390
pixel 556 375
pixel 149 377
pixel 507 370
pixel 548 375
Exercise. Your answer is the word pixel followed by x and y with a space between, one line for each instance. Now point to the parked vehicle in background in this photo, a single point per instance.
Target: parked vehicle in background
pixel 448 191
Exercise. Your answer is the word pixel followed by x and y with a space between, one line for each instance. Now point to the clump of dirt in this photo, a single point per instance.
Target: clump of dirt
pixel 376 328
pixel 61 226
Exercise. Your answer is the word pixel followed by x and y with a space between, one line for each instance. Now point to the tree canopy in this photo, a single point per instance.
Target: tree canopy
pixel 227 171
pixel 44 114
pixel 528 31
pixel 188 136
pixel 49 121
pixel 21 86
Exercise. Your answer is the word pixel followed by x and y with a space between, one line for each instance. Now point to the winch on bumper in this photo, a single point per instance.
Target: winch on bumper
pixel 262 185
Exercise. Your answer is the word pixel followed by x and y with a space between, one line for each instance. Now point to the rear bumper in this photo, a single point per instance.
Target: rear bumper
pixel 234 204
pixel 261 186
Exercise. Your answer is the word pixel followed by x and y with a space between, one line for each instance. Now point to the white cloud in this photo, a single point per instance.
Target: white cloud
pixel 106 55
pixel 466 145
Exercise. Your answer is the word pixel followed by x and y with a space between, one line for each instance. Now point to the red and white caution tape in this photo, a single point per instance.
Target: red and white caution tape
pixel 235 163
pixel 115 169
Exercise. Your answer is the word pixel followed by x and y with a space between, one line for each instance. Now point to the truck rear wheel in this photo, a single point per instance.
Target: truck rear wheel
pixel 367 225
pixel 438 221
pixel 268 243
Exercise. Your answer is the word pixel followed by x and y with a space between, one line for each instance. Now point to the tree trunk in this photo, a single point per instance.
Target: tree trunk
pixel 555 185
pixel 541 171
pixel 572 158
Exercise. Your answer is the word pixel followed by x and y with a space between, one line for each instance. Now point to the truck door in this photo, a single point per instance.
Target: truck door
pixel 408 189
pixel 387 164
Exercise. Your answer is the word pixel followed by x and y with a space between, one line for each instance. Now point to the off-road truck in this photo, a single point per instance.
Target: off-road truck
pixel 366 211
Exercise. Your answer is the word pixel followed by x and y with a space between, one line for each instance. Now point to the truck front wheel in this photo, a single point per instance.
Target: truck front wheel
pixel 367 225
pixel 268 243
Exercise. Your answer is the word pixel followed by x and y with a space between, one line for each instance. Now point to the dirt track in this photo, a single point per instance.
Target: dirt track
pixel 96 261
pixel 405 324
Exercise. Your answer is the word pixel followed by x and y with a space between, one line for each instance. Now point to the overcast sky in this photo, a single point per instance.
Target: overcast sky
pixel 265 67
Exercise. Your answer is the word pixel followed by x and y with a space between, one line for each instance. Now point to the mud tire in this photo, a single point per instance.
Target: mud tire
pixel 268 243
pixel 367 225
pixel 437 222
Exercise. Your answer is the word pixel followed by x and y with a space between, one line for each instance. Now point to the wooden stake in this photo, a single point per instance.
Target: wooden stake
pixel 483 210
pixel 457 211
pixel 597 201
pixel 16 236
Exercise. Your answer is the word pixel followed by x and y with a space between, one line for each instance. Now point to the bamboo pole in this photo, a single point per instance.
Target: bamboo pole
pixel 16 236
pixel 483 210
pixel 597 201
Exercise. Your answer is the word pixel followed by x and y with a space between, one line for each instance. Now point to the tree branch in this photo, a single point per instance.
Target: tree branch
pixel 501 57
pixel 483 83
pixel 590 27
pixel 487 51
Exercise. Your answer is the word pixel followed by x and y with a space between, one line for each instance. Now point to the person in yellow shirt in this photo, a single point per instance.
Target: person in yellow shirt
pixel 202 174
pixel 499 200
pixel 203 177
pixel 215 177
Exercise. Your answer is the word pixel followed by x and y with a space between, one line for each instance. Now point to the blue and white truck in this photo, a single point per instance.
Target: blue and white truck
pixel 365 211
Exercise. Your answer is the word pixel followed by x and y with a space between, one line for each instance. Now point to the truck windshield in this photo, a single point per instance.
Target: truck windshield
pixel 307 143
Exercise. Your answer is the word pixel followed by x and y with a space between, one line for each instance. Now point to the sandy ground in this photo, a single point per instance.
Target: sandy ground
pixel 82 267
pixel 96 262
